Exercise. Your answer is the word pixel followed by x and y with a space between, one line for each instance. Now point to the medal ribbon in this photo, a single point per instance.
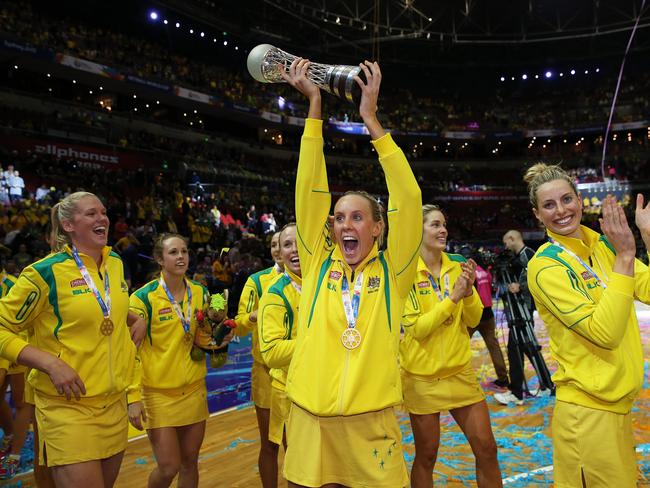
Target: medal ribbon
pixel 351 305
pixel 105 306
pixel 185 319
pixel 584 265
pixel 436 288
pixel 293 283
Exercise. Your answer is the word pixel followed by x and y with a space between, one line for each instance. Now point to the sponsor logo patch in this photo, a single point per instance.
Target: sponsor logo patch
pixel 163 311
pixel 586 275
pixel 335 275
pixel 423 284
pixel 77 282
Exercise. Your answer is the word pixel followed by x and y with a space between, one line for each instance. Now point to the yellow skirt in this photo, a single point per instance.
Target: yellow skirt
pixel 261 385
pixel 77 431
pixel 280 407
pixel 355 451
pixel 425 395
pixel 596 444
pixel 175 407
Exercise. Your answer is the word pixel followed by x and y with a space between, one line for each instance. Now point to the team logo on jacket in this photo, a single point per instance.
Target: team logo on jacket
pixel 373 283
pixel 586 275
pixel 163 311
pixel 77 282
pixel 423 284
pixel 335 275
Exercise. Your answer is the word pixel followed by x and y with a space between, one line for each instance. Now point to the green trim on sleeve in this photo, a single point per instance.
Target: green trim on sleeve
pixel 255 277
pixel 384 265
pixel 608 244
pixel 456 258
pixel 143 296
pixel 323 269
pixel 44 269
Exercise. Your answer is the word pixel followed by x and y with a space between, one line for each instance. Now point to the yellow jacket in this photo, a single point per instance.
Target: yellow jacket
pixel 278 326
pixel 433 345
pixel 164 360
pixel 256 285
pixel 594 333
pixel 51 297
pixel 5 285
pixel 324 377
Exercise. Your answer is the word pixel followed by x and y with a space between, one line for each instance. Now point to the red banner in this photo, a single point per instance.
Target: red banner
pixel 76 152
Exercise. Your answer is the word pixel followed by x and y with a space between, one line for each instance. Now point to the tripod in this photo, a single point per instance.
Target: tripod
pixel 522 338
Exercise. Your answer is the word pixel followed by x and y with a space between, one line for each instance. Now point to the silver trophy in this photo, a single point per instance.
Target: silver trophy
pixel 266 62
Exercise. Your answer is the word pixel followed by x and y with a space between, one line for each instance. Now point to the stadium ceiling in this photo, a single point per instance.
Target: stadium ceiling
pixel 412 30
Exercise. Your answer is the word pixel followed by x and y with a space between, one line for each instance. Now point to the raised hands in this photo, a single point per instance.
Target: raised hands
pixel 615 227
pixel 297 78
pixel 642 219
pixel 464 283
pixel 369 96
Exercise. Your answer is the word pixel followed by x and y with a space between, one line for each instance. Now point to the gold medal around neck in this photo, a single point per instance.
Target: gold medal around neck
pixel 187 337
pixel 351 338
pixel 107 326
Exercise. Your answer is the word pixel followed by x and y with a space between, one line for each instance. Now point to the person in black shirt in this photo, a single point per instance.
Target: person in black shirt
pixel 514 242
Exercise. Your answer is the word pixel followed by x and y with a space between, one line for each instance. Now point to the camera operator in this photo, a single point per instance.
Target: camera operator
pixel 518 286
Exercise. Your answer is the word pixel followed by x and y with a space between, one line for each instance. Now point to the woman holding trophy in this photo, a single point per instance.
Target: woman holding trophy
pixel 344 377
pixel 169 396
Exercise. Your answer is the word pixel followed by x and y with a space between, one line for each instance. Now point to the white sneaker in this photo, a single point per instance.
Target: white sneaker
pixel 537 393
pixel 507 398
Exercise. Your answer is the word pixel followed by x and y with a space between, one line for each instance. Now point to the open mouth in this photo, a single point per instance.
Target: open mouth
pixel 563 221
pixel 295 261
pixel 100 231
pixel 350 244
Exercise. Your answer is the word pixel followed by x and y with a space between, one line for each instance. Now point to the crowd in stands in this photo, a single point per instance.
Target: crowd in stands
pixel 407 110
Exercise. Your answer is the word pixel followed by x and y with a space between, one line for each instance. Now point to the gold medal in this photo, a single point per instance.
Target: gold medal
pixel 351 338
pixel 107 326
pixel 187 337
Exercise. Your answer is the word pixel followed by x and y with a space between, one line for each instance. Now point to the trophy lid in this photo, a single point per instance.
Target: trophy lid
pixel 256 60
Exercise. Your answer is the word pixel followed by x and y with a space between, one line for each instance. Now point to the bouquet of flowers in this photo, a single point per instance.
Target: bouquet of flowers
pixel 213 327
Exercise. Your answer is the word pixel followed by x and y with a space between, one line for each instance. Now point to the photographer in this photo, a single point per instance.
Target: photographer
pixel 515 278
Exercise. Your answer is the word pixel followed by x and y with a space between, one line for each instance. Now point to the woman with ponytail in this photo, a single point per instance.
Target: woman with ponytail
pixel 584 285
pixel 75 303
pixel 168 397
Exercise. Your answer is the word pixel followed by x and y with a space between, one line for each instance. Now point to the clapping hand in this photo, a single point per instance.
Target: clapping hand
pixel 642 219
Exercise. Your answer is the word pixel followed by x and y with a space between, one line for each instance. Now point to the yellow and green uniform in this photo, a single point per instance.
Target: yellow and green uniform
pixel 165 365
pixel 278 325
pixel 164 355
pixel 256 285
pixel 325 378
pixel 435 353
pixel 594 336
pixel 278 328
pixel 52 299
pixel 343 399
pixel 594 333
pixel 6 282
pixel 436 342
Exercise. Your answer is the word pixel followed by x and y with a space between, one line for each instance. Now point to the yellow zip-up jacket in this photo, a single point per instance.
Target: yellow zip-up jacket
pixel 436 341
pixel 324 377
pixel 278 326
pixel 164 360
pixel 6 284
pixel 255 286
pixel 51 297
pixel 594 333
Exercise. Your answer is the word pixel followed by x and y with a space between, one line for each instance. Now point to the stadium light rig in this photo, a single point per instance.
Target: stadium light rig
pixel 153 15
